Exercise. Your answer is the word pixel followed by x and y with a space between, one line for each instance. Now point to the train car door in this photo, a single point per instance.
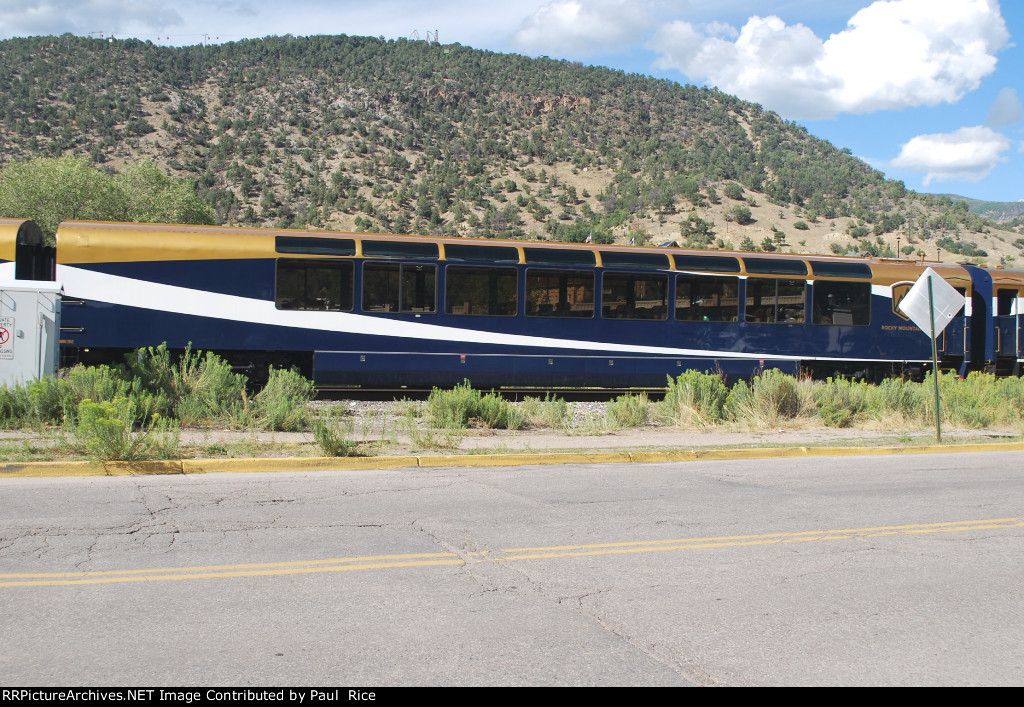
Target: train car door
pixel 980 343
pixel 1007 328
pixel 34 259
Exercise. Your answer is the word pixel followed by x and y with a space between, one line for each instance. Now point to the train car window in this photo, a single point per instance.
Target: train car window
pixel 831 269
pixel 564 257
pixel 400 287
pixel 634 261
pixel 400 249
pixel 704 298
pixel 325 285
pixel 770 266
pixel 1004 302
pixel 634 296
pixel 559 293
pixel 963 293
pixel 841 303
pixel 457 252
pixel 775 301
pixel 489 292
pixel 315 246
pixel 707 263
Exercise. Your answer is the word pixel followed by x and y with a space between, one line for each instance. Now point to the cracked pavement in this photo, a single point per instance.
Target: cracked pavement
pixel 704 573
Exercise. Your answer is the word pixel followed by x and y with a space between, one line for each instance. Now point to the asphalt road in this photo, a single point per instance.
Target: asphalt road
pixel 904 570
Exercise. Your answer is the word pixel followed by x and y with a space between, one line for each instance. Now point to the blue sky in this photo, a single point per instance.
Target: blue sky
pixel 928 91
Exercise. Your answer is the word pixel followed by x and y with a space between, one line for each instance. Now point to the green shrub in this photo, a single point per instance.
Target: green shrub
pixel 15 406
pixel 154 369
pixel 441 434
pixel 970 401
pixel 51 399
pixel 694 398
pixel 106 384
pixel 895 397
pixel 197 387
pixel 281 405
pixel 1008 394
pixel 214 393
pixel 495 412
pixel 96 383
pixel 838 401
pixel 446 408
pixel 629 411
pixel 771 397
pixel 551 412
pixel 334 437
pixel 105 431
pixel 456 407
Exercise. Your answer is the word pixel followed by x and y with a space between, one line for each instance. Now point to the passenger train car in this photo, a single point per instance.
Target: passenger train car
pixel 375 310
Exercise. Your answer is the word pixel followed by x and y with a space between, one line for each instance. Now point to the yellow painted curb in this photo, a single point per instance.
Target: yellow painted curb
pixel 657 457
pixel 789 452
pixel 232 466
pixel 17 470
pixel 522 459
pixel 172 466
pixel 14 470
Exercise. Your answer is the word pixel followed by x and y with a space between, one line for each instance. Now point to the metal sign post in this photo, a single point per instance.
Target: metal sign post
pixel 931 304
pixel 935 361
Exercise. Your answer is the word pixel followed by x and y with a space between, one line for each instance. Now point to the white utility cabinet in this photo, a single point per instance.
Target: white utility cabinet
pixel 29 330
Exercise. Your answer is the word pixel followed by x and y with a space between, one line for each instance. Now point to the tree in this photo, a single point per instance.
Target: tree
pixel 697 232
pixel 50 191
pixel 733 191
pixel 149 195
pixel 742 214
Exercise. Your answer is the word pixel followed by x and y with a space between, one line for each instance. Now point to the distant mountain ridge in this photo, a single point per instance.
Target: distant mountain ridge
pixel 995 211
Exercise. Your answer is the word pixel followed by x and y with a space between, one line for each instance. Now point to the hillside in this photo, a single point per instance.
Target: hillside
pixel 407 136
pixel 1005 213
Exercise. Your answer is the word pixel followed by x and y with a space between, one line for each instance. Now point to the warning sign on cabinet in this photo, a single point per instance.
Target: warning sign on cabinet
pixel 6 337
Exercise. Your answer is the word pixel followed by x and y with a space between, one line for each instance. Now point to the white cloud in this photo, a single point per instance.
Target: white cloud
pixel 724 30
pixel 1006 110
pixel 769 62
pixel 583 26
pixel 968 154
pixel 188 21
pixel 38 17
pixel 893 54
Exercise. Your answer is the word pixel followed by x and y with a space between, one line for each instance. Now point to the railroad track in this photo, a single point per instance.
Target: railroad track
pixel 568 394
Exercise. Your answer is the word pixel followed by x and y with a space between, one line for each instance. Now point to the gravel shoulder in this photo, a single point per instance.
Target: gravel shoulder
pixel 387 428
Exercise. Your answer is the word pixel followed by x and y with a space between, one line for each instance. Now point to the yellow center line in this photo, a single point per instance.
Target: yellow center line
pixel 768 535
pixel 258 566
pixel 346 564
pixel 743 540
pixel 245 573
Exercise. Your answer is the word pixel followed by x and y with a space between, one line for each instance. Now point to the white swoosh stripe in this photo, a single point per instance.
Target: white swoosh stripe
pixel 129 292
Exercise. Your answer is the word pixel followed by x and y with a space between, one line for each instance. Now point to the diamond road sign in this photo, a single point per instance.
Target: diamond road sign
pixel 945 301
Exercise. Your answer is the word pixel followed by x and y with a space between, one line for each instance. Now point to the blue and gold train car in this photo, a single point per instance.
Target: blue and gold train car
pixel 377 310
